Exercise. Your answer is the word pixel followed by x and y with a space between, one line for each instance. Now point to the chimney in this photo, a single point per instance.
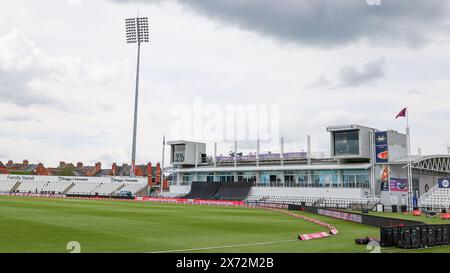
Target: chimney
pixel 149 169
pixel 10 162
pixel 25 162
pixel 79 164
pixel 62 163
pixel 114 168
pixel 98 166
pixel 158 173
pixel 149 174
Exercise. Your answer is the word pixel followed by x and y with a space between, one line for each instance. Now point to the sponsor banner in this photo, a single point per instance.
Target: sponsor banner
pixel 416 213
pixel 381 147
pixel 445 216
pixel 340 215
pixel 398 184
pixel 333 230
pixel 45 178
pixel 190 201
pixel 269 205
pixel 444 183
pixel 384 178
pixel 313 236
pixel 32 194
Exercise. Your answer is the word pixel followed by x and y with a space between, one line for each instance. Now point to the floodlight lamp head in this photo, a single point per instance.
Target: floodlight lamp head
pixel 137 30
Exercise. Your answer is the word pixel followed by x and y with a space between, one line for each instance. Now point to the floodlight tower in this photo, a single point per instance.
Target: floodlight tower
pixel 136 32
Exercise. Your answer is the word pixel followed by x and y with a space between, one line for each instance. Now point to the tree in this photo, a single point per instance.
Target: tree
pixel 20 172
pixel 67 171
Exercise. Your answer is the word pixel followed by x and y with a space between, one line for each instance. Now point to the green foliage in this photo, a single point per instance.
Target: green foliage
pixel 20 172
pixel 67 171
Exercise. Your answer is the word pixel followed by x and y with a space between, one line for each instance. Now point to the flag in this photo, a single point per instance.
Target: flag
pixel 402 113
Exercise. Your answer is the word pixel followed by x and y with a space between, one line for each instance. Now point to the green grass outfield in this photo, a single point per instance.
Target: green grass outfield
pixel 46 225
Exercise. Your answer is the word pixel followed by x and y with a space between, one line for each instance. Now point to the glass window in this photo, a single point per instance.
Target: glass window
pixel 264 179
pixel 205 177
pixel 225 176
pixel 355 178
pixel 348 180
pixel 324 178
pixel 210 177
pixel 302 180
pixel 289 180
pixel 186 179
pixel 271 178
pixel 362 181
pixel 201 177
pixel 247 177
pixel 346 143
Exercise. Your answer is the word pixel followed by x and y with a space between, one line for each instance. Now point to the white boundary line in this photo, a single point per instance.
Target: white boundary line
pixel 220 247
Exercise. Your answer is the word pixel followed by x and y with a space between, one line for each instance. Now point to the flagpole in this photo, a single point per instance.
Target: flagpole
pixel 161 183
pixel 410 184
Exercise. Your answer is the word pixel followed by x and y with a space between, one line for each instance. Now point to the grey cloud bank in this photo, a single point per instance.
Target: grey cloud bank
pixel 350 76
pixel 329 23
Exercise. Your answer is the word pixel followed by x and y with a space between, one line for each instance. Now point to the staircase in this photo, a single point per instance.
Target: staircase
pixel 319 202
pixel 435 198
pixel 142 192
pixel 16 186
pixel 118 189
pixel 68 189
pixel 426 195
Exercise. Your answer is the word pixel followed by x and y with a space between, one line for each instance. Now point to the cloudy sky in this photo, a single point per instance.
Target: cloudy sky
pixel 67 75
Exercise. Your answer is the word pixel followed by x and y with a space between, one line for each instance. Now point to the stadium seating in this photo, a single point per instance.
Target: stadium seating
pixel 203 190
pixel 107 188
pixel 84 188
pixel 71 188
pixel 436 198
pixel 133 187
pixel 104 189
pixel 233 190
pixel 219 190
pixel 57 187
pixel 31 186
pixel 6 186
pixel 328 202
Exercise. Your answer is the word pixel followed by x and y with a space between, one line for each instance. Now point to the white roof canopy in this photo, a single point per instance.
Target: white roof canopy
pixel 438 163
pixel 303 167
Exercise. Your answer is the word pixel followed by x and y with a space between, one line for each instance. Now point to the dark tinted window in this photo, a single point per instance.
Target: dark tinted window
pixel 346 143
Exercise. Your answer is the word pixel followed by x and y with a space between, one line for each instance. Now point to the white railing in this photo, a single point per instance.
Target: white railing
pixel 427 194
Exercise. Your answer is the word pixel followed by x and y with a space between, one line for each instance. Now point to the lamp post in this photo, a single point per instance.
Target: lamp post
pixel 136 33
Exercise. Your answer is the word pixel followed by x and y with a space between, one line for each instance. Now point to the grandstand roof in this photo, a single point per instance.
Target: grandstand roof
pixel 438 163
pixel 417 158
pixel 173 142
pixel 347 127
pixel 277 168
